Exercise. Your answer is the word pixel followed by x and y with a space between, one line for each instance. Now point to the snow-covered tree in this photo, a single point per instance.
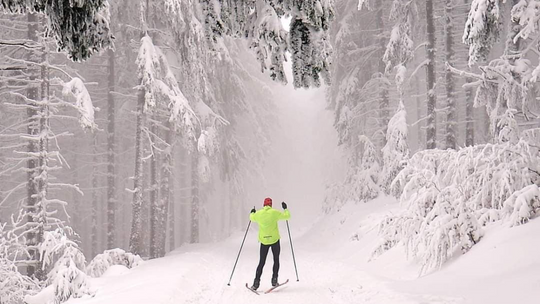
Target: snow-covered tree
pixel 157 84
pixel 259 22
pixel 79 27
pixel 506 83
pixel 399 49
pixel 101 262
pixel 14 286
pixel 482 28
pixel 42 84
pixel 449 195
pixel 67 266
pixel 362 181
pixel 396 151
pixel 522 205
pixel 360 73
pixel 367 177
pixel 451 118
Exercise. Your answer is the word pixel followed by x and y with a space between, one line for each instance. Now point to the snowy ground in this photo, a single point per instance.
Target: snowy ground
pixel 332 252
pixel 332 263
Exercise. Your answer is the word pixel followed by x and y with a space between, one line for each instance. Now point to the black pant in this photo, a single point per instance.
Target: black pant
pixel 276 248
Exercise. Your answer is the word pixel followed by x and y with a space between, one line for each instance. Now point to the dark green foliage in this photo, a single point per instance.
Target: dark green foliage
pixel 81 28
pixel 259 22
pixel 482 38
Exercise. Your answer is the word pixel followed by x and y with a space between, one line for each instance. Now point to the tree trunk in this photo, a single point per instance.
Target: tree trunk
pixel 511 54
pixel 145 213
pixel 384 104
pixel 194 197
pixel 431 128
pixel 184 212
pixel 165 192
pixel 450 83
pixel 469 103
pixel 33 238
pixel 111 184
pixel 135 241
pixel 419 107
pixel 155 208
pixel 469 114
pixel 77 219
pixel 513 48
pixel 171 208
pixel 95 207
pixel 42 179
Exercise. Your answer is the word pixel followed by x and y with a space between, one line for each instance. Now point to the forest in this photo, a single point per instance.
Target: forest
pixel 131 127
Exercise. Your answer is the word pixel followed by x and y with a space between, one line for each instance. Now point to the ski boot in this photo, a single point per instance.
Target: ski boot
pixel 255 284
pixel 274 282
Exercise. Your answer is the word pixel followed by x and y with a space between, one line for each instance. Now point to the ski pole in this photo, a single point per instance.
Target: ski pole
pixel 294 260
pixel 229 284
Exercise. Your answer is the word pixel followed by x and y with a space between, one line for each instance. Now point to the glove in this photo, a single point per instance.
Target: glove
pixel 283 205
pixel 253 210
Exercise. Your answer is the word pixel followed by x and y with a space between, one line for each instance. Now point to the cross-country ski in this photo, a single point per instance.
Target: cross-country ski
pixel 277 286
pixel 252 290
pixel 268 290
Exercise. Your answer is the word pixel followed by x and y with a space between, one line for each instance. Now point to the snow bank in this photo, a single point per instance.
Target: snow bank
pixel 333 259
pixel 502 268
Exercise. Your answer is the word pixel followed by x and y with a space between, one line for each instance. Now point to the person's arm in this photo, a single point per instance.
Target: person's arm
pixel 285 215
pixel 252 216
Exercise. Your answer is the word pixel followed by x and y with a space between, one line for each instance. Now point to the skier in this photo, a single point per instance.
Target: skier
pixel 267 219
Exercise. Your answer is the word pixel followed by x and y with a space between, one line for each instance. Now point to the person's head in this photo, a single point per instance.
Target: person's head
pixel 267 202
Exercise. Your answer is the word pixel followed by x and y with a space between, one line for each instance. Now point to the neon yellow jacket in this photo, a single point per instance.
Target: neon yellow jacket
pixel 267 219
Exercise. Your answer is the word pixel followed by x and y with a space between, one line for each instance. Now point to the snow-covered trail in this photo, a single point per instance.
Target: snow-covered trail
pixel 303 159
pixel 332 258
pixel 199 274
pixel 304 155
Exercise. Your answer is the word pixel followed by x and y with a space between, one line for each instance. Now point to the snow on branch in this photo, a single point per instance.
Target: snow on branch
pixel 83 103
pixel 259 22
pixel 522 205
pixel 396 151
pixel 482 28
pixel 449 195
pixel 13 285
pixel 268 39
pixel 67 266
pixel 364 3
pixel 160 84
pixel 527 13
pixel 99 265
pixel 88 31
pixel 399 49
pixel 362 181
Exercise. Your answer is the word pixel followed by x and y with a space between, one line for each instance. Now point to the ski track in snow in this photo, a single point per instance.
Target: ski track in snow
pixel 199 273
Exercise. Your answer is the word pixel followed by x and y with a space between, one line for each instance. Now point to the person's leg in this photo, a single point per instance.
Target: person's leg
pixel 276 249
pixel 263 253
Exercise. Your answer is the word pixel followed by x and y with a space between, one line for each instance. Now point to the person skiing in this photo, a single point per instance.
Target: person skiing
pixel 268 218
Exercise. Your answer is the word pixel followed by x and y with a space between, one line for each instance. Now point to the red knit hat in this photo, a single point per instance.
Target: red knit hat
pixel 267 202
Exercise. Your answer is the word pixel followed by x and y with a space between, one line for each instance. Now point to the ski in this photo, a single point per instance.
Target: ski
pixel 279 285
pixel 254 291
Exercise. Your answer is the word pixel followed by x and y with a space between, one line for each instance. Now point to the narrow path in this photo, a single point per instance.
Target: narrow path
pixel 199 274
pixel 304 156
pixel 303 160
